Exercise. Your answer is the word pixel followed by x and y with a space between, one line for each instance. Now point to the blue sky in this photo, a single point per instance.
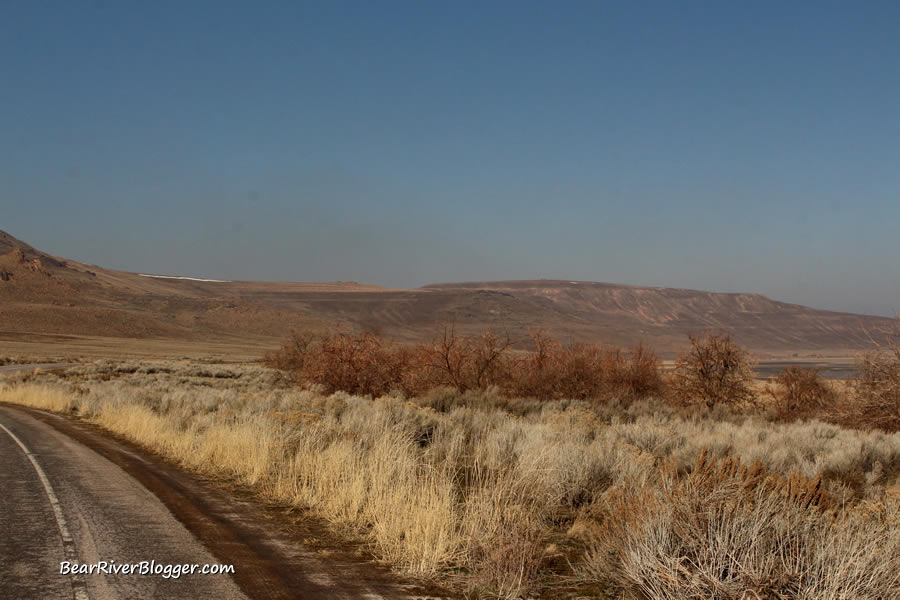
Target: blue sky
pixel 714 145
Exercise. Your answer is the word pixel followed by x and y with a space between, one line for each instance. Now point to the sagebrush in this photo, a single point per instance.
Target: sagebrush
pixel 508 497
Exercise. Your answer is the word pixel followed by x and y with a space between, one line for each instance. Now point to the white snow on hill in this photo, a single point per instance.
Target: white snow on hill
pixel 185 278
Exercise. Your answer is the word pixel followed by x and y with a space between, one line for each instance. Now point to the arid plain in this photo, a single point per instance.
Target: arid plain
pixel 510 439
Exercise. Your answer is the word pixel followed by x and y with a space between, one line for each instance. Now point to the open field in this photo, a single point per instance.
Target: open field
pixel 29 346
pixel 505 498
pixel 37 347
pixel 511 439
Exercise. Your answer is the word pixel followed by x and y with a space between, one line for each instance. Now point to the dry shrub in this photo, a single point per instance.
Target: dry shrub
pixel 579 372
pixel 467 492
pixel 874 402
pixel 361 363
pixel 366 364
pixel 555 371
pixel 714 370
pixel 294 352
pixel 585 371
pixel 801 392
pixel 503 531
pixel 639 373
pixel 729 531
pixel 507 563
pixel 463 362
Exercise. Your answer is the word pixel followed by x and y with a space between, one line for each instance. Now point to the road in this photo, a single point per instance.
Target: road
pixel 70 492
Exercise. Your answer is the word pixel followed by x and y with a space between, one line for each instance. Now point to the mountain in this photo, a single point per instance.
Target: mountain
pixel 51 299
pixel 666 316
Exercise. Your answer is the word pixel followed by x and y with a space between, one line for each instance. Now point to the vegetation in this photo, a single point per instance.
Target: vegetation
pixel 366 364
pixel 726 530
pixel 714 371
pixel 876 391
pixel 565 472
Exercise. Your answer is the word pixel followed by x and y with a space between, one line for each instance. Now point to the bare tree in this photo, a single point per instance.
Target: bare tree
pixel 876 388
pixel 471 362
pixel 714 370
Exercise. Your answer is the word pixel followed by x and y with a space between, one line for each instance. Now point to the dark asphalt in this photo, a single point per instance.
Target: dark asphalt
pixel 110 517
pixel 120 503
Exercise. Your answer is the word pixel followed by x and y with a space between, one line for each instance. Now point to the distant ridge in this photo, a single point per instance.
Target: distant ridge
pixel 58 296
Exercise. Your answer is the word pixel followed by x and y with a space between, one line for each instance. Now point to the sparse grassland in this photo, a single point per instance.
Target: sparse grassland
pixel 629 492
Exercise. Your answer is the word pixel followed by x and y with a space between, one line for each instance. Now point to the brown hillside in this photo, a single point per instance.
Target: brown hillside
pixel 660 313
pixel 43 295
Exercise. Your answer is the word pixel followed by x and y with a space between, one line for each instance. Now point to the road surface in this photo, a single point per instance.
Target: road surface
pixel 70 493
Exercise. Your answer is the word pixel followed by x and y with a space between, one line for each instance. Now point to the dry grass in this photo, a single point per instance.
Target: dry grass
pixel 731 531
pixel 46 398
pixel 505 497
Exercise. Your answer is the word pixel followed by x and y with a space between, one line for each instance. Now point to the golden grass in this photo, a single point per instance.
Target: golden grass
pixel 43 397
pixel 504 498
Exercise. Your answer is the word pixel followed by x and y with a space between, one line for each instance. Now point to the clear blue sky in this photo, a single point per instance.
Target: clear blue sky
pixel 728 146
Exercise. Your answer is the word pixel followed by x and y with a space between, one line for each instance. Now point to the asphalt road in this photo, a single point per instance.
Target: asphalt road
pixel 67 491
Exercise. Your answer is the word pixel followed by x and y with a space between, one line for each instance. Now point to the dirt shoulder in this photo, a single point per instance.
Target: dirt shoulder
pixel 278 553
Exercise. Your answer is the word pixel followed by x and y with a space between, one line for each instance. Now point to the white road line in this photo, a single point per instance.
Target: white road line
pixel 79 589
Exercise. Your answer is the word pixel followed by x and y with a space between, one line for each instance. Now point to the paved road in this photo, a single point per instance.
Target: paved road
pixel 109 515
pixel 67 490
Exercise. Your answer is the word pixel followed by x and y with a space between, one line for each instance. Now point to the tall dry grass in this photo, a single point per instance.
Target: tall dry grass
pixel 729 530
pixel 507 498
pixel 46 398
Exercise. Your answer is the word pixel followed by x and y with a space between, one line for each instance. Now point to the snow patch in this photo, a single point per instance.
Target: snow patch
pixel 185 278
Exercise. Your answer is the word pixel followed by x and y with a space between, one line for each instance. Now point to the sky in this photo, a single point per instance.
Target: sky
pixel 724 146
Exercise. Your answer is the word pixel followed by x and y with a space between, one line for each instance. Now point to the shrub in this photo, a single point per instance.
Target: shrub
pixel 714 370
pixel 367 364
pixel 554 371
pixel 464 362
pixel 801 392
pixel 294 352
pixel 731 531
pixel 458 488
pixel 639 373
pixel 538 375
pixel 875 398
pixel 354 363
pixel 586 371
pixel 361 364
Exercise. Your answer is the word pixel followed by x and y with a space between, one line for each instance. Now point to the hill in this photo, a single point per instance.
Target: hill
pixel 665 316
pixel 60 302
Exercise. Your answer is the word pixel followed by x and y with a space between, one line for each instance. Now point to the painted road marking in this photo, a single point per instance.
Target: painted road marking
pixel 79 588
